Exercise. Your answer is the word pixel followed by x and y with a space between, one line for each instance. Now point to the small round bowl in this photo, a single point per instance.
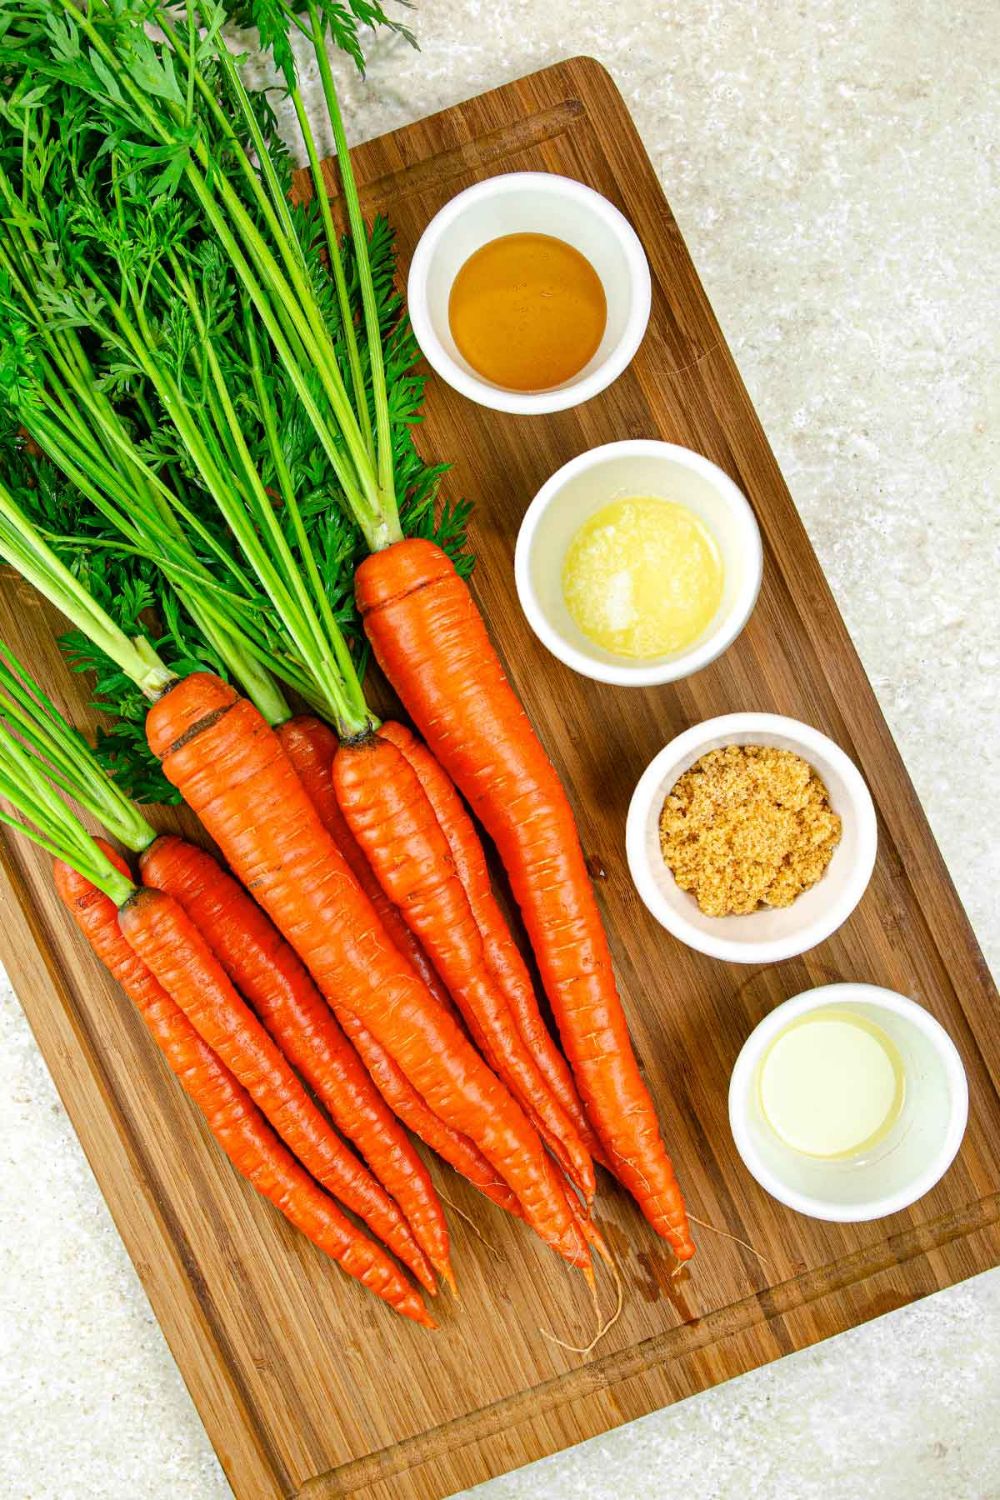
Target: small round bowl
pixel 530 203
pixel 901 1167
pixel 772 933
pixel 612 472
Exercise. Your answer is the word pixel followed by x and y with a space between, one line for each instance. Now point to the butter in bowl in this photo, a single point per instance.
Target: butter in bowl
pixel 638 563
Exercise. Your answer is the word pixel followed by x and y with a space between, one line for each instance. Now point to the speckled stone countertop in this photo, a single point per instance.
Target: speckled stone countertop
pixel 832 167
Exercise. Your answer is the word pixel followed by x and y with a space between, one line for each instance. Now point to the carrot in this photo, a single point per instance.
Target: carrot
pixel 456 1149
pixel 503 957
pixel 311 746
pixel 268 974
pixel 390 816
pixel 431 642
pixel 233 1119
pixel 170 944
pixel 232 771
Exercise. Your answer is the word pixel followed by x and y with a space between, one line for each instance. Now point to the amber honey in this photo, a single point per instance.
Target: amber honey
pixel 527 311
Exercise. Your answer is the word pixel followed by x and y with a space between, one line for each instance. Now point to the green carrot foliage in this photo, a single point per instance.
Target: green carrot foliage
pixel 185 346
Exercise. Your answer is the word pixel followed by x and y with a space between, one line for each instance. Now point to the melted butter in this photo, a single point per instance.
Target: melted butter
pixel 832 1084
pixel 643 577
pixel 527 311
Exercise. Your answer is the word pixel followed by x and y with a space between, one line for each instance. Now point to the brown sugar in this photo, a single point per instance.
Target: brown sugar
pixel 748 826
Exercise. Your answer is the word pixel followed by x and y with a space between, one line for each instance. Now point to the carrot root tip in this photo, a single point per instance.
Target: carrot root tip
pixel 686 1255
pixel 602 1328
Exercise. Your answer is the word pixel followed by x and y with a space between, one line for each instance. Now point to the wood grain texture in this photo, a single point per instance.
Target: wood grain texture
pixel 307 1386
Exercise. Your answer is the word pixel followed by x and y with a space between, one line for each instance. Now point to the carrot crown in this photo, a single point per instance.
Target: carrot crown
pixel 188 145
pixel 202 358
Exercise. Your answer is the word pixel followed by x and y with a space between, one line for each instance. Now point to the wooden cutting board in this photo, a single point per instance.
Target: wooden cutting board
pixel 306 1385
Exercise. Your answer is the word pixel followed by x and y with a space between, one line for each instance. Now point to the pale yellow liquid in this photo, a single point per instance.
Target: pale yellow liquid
pixel 832 1084
pixel 643 577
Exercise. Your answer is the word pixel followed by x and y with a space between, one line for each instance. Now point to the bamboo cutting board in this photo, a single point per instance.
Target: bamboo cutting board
pixel 306 1385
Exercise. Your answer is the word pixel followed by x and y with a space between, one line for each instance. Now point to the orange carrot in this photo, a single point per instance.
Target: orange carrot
pixel 394 823
pixel 431 642
pixel 503 957
pixel 170 945
pixel 457 1150
pixel 268 974
pixel 231 1116
pixel 232 771
pixel 311 746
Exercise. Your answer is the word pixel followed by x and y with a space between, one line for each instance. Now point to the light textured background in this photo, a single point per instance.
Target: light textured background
pixel 830 164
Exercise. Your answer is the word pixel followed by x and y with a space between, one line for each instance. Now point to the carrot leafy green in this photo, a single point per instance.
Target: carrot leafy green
pixel 200 382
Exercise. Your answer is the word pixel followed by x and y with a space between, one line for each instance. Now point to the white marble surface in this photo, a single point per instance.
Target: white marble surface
pixel 830 165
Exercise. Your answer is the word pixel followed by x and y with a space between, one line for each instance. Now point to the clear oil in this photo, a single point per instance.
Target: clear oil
pixel 832 1084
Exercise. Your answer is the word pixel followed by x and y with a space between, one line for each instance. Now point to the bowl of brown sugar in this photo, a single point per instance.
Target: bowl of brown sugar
pixel 751 837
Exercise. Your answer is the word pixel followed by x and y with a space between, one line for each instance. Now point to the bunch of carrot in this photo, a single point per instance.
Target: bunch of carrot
pixel 195 954
pixel 271 799
pixel 424 1066
pixel 372 963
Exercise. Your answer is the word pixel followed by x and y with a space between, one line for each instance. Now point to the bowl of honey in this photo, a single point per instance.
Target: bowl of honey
pixel 638 563
pixel 529 292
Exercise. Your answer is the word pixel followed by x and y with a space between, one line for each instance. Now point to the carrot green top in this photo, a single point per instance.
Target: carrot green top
pixel 172 325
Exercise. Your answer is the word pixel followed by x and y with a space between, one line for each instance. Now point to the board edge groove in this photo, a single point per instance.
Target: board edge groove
pixel 685 1338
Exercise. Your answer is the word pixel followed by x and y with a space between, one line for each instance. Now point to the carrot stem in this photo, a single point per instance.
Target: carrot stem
pixel 389 528
pixel 63 753
pixel 336 264
pixel 24 548
pixel 49 823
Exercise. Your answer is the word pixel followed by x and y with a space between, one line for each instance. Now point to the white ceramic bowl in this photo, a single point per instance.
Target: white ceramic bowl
pixel 614 471
pixel 530 203
pixel 773 933
pixel 907 1162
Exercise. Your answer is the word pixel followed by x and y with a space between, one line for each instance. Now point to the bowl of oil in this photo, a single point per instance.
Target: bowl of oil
pixel 529 292
pixel 848 1102
pixel 638 563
